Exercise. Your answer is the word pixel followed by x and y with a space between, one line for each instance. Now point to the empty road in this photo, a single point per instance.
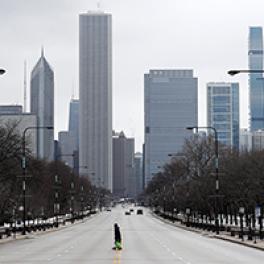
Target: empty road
pixel 145 240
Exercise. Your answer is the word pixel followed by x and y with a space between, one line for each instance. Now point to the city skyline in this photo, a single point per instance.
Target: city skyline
pixel 211 52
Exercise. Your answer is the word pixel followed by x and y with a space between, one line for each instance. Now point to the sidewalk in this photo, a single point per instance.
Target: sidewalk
pixel 223 235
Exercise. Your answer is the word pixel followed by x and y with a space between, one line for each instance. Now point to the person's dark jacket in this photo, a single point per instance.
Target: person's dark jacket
pixel 117 233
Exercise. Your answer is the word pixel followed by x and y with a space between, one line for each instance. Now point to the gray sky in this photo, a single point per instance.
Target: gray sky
pixel 209 36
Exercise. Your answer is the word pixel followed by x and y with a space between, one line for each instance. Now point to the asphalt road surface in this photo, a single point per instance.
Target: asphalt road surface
pixel 145 240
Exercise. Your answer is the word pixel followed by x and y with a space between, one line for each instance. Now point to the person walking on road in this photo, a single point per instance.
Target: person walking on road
pixel 118 239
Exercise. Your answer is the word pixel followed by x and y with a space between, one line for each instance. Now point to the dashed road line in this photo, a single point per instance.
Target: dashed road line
pixel 169 250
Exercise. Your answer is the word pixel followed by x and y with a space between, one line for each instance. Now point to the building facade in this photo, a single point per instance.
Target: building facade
pixel 245 140
pixel 258 140
pixel 95 77
pixel 67 148
pixel 11 109
pixel 124 178
pixel 223 112
pixel 42 105
pixel 74 122
pixel 138 164
pixel 170 106
pixel 256 87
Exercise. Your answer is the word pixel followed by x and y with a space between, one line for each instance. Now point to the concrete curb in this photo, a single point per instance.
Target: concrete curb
pixel 209 235
pixel 255 246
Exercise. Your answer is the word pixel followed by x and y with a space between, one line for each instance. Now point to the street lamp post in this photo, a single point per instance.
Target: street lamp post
pixel 56 197
pixel 241 214
pixel 2 71
pixel 72 186
pixel 72 202
pixel 216 170
pixel 173 201
pixel 164 199
pixel 24 170
pixel 188 212
pixel 82 201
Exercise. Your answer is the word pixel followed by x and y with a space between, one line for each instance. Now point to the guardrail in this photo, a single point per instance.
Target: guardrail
pixel 249 232
pixel 7 231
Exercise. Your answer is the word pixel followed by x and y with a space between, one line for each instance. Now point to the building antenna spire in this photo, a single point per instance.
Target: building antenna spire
pixel 25 86
pixel 72 96
pixel 42 51
pixel 98 5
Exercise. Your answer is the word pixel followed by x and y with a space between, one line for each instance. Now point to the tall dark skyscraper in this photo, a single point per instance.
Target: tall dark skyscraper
pixel 256 87
pixel 42 105
pixel 95 77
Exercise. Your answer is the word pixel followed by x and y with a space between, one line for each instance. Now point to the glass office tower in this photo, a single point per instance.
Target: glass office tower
pixel 256 89
pixel 170 106
pixel 223 111
pixel 42 105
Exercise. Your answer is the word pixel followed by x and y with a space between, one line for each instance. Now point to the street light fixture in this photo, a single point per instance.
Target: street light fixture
pixel 216 168
pixel 2 71
pixel 24 170
pixel 235 72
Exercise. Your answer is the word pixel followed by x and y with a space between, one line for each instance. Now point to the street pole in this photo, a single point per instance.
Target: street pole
pixel 57 183
pixel 173 199
pixel 24 171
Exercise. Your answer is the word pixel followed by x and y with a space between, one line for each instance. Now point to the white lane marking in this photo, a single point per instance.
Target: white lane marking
pixel 169 250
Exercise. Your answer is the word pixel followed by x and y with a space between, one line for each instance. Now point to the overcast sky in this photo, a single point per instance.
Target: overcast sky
pixel 208 36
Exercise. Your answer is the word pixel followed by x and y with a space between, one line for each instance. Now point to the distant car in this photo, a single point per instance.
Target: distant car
pixel 139 211
pixel 108 209
pixel 127 213
pixel 131 210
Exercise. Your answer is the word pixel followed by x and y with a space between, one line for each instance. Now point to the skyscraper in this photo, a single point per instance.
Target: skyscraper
pixel 223 112
pixel 95 78
pixel 124 178
pixel 138 160
pixel 256 87
pixel 74 122
pixel 42 105
pixel 170 106
pixel 66 145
